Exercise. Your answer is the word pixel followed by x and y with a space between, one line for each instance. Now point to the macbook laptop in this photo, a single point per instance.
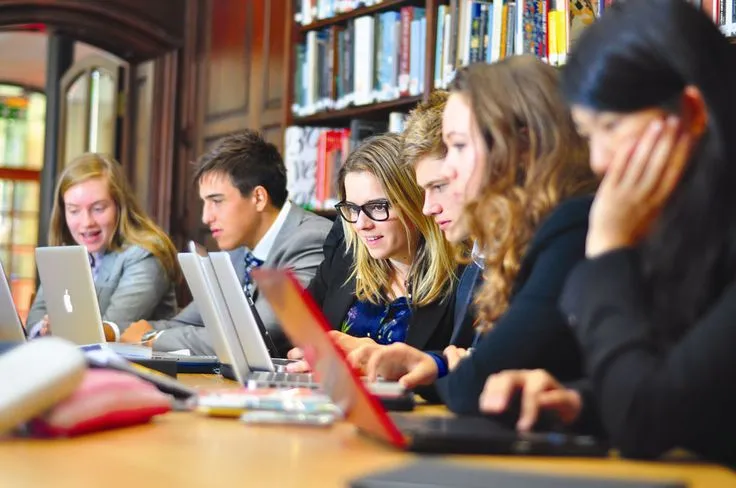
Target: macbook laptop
pixel 307 328
pixel 11 328
pixel 71 303
pixel 69 291
pixel 234 342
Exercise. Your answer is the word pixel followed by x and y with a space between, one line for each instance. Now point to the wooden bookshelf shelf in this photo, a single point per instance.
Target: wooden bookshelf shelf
pixel 358 12
pixel 335 118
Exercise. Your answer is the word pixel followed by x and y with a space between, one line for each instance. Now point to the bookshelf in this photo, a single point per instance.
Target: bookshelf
pixel 320 127
pixel 375 111
pixel 359 12
pixel 296 33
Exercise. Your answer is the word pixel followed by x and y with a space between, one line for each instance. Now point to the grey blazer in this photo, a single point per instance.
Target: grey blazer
pixel 131 285
pixel 298 246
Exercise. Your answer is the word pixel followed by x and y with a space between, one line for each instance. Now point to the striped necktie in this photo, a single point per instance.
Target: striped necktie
pixel 251 263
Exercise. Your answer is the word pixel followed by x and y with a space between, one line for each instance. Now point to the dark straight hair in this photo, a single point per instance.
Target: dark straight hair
pixel 642 54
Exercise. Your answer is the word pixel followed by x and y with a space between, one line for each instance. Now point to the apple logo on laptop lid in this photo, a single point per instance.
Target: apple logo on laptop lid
pixel 68 302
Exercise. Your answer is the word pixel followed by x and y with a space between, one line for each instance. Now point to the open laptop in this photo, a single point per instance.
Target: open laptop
pixel 69 291
pixel 74 312
pixel 11 328
pixel 260 349
pixel 234 342
pixel 307 328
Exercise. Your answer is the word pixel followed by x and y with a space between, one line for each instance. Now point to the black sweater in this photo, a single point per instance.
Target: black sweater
pixel 533 333
pixel 652 397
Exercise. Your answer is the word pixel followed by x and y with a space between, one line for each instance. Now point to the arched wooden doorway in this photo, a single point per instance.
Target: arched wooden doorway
pixel 141 33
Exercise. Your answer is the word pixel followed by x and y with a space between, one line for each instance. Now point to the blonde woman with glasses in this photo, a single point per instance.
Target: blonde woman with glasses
pixel 391 276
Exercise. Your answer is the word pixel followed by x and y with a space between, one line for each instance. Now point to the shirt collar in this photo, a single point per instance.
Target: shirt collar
pixel 263 248
pixel 476 255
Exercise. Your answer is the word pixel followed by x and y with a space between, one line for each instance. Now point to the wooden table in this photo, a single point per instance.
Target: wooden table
pixel 184 449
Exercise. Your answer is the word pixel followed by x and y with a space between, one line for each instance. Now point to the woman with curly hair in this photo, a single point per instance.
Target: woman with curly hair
pixel 516 161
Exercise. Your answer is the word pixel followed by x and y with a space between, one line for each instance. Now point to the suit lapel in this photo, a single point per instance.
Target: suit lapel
pixel 103 272
pixel 336 306
pixel 285 235
pixel 237 256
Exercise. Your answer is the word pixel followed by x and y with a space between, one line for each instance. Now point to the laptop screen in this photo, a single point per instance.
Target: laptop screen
pixel 308 329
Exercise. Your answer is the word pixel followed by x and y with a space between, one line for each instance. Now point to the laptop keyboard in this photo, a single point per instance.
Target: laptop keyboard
pixel 181 357
pixel 271 377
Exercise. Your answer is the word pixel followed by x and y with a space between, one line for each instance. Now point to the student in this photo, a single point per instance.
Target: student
pixel 133 261
pixel 424 151
pixel 654 303
pixel 392 280
pixel 515 157
pixel 242 182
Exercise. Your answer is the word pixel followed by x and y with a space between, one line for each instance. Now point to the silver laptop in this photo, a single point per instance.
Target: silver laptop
pixel 11 328
pixel 262 355
pixel 234 342
pixel 69 291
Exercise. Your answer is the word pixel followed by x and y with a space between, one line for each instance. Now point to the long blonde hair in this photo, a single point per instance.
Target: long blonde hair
pixel 536 159
pixel 432 271
pixel 133 226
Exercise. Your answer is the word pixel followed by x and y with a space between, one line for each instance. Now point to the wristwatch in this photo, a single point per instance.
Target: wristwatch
pixel 151 335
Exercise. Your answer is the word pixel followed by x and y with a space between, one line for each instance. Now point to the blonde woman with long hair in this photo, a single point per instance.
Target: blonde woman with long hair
pixel 516 161
pixel 133 260
pixel 392 278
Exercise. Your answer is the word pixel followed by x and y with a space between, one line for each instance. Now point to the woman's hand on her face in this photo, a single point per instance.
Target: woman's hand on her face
pixel 403 363
pixel 539 391
pixel 638 183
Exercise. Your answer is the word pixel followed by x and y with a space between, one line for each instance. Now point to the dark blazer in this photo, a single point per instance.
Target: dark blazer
pixel 533 333
pixel 430 327
pixel 463 333
pixel 654 396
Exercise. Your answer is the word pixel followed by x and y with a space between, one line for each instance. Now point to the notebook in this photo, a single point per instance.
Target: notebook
pixel 306 326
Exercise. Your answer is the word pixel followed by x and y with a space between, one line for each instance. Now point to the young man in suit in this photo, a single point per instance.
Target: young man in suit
pixel 425 151
pixel 242 183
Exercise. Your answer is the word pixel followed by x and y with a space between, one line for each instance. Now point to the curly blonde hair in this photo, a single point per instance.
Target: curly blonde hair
pixel 423 131
pixel 536 159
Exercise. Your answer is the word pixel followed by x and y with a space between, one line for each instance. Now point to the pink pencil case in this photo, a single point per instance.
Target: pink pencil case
pixel 106 399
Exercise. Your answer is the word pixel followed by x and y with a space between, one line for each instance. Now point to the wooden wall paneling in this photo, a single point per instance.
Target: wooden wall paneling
pixel 289 29
pixel 142 169
pixel 275 72
pixel 228 65
pixel 431 13
pixel 166 134
pixel 184 198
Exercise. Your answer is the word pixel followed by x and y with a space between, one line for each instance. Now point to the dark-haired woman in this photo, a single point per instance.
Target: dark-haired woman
pixel 654 304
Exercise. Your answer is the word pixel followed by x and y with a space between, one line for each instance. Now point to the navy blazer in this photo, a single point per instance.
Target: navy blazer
pixel 430 327
pixel 533 332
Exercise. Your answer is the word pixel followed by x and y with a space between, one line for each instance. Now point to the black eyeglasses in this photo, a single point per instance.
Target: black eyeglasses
pixel 375 210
